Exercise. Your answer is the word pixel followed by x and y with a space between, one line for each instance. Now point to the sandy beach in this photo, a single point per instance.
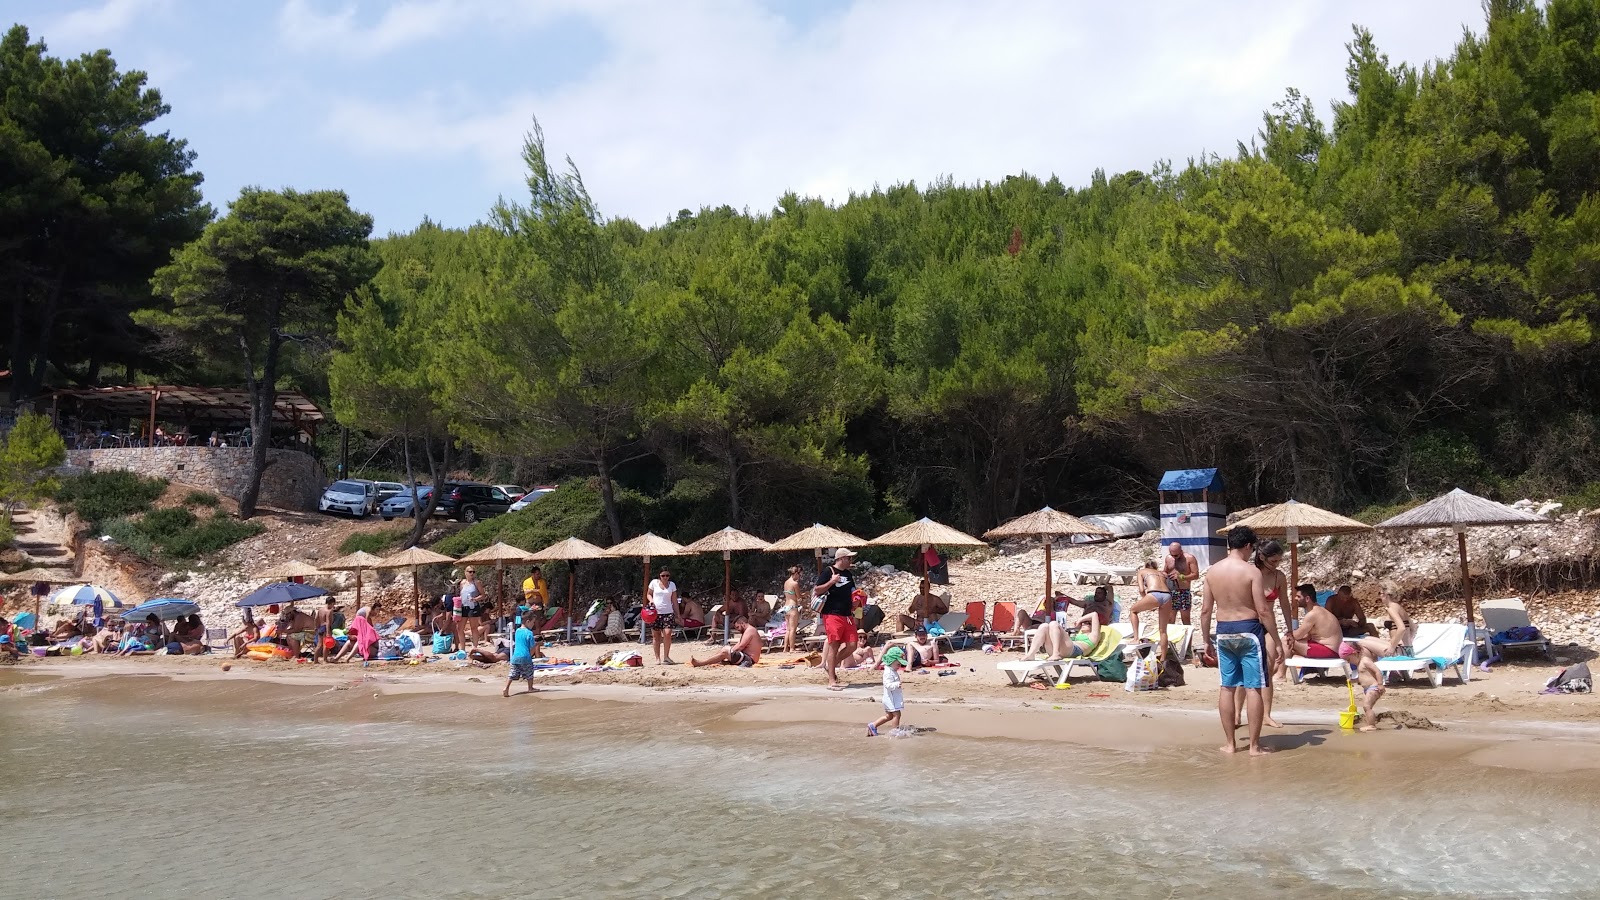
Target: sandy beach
pixel 1501 709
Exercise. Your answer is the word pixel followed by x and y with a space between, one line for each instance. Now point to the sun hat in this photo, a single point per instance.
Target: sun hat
pixel 894 656
pixel 844 551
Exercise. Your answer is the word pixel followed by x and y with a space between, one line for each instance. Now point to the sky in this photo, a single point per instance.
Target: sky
pixel 418 108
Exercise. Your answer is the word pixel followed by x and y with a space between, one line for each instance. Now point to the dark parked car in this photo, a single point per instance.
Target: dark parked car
pixel 470 501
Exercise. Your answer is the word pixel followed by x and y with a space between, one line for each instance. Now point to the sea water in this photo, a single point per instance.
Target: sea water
pixel 141 787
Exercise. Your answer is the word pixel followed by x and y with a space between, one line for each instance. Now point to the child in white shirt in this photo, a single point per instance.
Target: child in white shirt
pixel 894 659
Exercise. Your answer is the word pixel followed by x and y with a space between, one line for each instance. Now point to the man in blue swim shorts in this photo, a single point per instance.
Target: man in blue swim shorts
pixel 1245 649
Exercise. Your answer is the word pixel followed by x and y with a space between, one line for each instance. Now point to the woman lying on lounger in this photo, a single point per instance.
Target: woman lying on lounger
pixel 1402 631
pixel 1059 644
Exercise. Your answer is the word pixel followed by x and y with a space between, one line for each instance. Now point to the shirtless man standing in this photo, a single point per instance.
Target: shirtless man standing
pixel 1244 646
pixel 1318 636
pixel 1181 570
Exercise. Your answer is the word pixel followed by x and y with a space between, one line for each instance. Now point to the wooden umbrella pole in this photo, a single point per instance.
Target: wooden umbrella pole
pixel 644 629
pixel 1293 537
pixel 925 580
pixel 358 588
pixel 416 594
pixel 818 551
pixel 572 575
pixel 1049 581
pixel 1466 574
pixel 500 576
pixel 727 594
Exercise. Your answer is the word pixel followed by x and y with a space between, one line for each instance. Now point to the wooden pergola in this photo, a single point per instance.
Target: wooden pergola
pixel 223 407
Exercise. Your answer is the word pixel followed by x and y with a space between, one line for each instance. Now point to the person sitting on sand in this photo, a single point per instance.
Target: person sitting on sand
pixel 143 638
pixel 1352 618
pixel 923 611
pixel 1058 644
pixel 922 650
pixel 1318 636
pixel 67 629
pixel 106 640
pixel 191 635
pixel 8 640
pixel 248 633
pixel 861 657
pixel 745 652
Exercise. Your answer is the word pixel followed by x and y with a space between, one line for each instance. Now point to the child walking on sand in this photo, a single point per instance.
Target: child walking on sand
pixel 894 659
pixel 523 646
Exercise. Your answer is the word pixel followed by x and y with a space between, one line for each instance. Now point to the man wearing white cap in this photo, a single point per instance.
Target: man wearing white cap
pixel 838 614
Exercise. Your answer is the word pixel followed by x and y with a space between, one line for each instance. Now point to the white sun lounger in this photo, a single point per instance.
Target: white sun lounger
pixel 1093 571
pixel 1299 665
pixel 1436 648
pixel 1020 670
pixel 1504 615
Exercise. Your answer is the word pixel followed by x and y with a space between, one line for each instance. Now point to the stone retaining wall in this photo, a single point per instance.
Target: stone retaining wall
pixel 293 480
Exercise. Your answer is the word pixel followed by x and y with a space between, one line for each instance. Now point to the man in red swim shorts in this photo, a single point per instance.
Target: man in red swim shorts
pixel 1318 636
pixel 838 614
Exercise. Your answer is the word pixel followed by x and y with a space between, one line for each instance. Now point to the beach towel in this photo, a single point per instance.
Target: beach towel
pixel 366 635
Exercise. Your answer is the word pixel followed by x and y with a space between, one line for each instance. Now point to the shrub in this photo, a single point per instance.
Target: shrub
pixel 201 498
pixel 373 541
pixel 7 533
pixel 208 536
pixel 99 497
pixel 161 524
pixel 126 532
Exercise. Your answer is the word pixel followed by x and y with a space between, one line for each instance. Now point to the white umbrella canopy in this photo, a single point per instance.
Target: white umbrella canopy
pixel 1458 511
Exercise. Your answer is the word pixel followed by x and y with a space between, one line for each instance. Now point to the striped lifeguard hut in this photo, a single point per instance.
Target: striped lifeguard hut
pixel 1193 509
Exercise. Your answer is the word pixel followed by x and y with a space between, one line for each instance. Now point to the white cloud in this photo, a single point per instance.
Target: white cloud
pixel 709 103
pixel 305 27
pixel 97 23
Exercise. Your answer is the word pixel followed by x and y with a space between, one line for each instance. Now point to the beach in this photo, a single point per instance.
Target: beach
pixel 332 781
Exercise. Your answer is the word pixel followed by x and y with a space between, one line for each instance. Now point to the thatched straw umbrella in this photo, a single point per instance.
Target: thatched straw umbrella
pixel 39 576
pixel 498 553
pixel 570 551
pixel 726 542
pixel 925 533
pixel 1458 511
pixel 414 558
pixel 646 545
pixel 354 562
pixel 1294 520
pixel 288 571
pixel 1047 525
pixel 816 539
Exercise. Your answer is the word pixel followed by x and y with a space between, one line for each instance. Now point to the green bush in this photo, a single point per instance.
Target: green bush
pixel 161 525
pixel 7 533
pixel 373 541
pixel 201 498
pixel 126 531
pixel 208 536
pixel 99 497
pixel 572 510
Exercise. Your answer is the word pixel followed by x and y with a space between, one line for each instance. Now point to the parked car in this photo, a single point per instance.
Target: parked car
pixel 351 496
pixel 513 491
pixel 387 489
pixel 406 503
pixel 530 496
pixel 470 501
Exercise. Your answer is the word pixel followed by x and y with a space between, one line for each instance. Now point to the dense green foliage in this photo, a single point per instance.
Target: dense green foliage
pixel 91 202
pixel 1352 312
pixel 175 533
pixel 99 497
pixel 30 453
pixel 270 274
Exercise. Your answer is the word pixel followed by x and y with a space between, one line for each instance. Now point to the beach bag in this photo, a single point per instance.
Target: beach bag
pixel 1145 673
pixel 442 642
pixel 1571 680
pixel 1112 668
pixel 648 616
pixel 871 617
pixel 1171 670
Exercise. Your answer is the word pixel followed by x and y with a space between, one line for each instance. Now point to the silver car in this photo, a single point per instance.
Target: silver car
pixel 350 496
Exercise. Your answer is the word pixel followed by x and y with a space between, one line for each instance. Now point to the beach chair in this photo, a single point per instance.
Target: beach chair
pixel 1437 647
pixel 1002 621
pixel 1503 615
pixel 950 623
pixel 1110 643
pixel 216 638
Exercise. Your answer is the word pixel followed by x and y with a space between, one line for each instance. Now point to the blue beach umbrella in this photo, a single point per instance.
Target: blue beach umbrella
pixel 166 609
pixel 280 593
pixel 85 595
